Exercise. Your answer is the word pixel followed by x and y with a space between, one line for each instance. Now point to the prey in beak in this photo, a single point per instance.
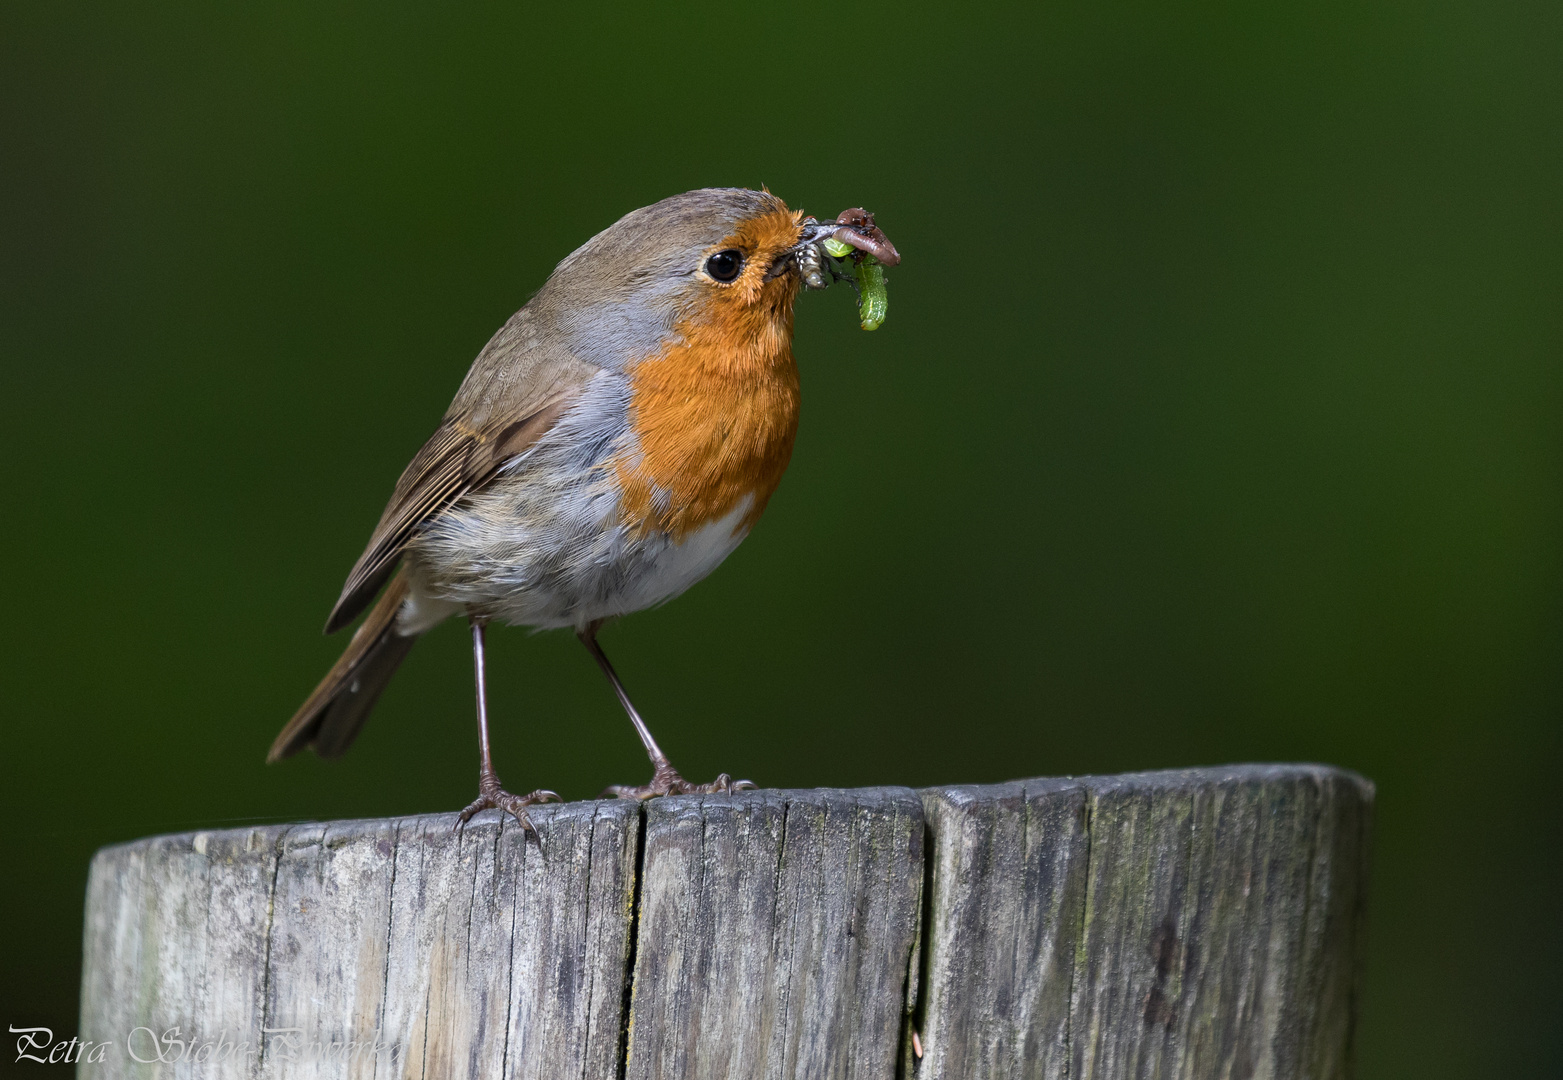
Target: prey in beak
pixel 853 237
pixel 854 228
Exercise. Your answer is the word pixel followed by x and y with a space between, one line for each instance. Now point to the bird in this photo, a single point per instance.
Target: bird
pixel 611 445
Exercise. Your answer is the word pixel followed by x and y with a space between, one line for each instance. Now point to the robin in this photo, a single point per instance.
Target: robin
pixel 610 446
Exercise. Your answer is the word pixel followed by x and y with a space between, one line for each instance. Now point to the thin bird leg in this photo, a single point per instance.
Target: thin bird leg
pixel 491 796
pixel 665 779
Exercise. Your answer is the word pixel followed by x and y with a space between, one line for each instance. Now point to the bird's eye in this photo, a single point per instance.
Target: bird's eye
pixel 725 265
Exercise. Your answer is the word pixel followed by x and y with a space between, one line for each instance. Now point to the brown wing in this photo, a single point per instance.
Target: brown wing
pixel 516 389
pixel 457 459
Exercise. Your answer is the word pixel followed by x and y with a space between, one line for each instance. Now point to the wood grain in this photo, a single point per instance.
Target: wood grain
pixel 176 938
pixel 366 948
pixel 776 934
pixel 1190 924
pixel 1198 923
pixel 1008 875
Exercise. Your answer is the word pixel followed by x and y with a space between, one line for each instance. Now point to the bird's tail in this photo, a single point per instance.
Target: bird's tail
pixel 332 715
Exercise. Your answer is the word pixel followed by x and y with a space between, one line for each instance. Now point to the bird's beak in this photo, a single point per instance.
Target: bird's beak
pixel 854 227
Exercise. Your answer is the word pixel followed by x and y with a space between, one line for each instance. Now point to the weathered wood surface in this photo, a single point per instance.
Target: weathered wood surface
pixel 776 934
pixel 369 948
pixel 1204 923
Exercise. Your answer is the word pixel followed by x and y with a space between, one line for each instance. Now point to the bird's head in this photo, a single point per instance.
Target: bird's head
pixel 716 260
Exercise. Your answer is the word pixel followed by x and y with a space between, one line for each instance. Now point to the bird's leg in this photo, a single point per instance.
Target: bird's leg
pixel 665 779
pixel 490 794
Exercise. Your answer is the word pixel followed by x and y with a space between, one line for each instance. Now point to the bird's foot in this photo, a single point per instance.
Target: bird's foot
pixel 666 781
pixel 493 797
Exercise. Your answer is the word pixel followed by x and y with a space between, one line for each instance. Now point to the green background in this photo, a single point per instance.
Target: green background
pixel 1218 417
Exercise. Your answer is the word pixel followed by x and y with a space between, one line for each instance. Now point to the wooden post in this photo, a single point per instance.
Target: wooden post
pixel 1196 923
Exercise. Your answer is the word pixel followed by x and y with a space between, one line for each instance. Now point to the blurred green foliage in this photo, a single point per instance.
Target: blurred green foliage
pixel 1219 417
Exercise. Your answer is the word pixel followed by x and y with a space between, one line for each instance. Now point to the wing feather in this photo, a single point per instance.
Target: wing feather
pixel 456 460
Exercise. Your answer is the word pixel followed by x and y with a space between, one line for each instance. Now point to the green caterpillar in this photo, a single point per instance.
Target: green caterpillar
pixel 873 300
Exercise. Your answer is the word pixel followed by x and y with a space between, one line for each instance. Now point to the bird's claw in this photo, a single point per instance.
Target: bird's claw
pixel 666 781
pixel 493 797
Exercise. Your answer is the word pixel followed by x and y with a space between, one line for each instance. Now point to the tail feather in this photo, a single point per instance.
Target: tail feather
pixel 333 714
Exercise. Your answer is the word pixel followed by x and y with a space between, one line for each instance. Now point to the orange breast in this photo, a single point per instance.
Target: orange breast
pixel 715 422
pixel 716 414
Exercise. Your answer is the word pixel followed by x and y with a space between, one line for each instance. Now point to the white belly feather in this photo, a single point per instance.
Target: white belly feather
pixel 634 573
pixel 678 566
